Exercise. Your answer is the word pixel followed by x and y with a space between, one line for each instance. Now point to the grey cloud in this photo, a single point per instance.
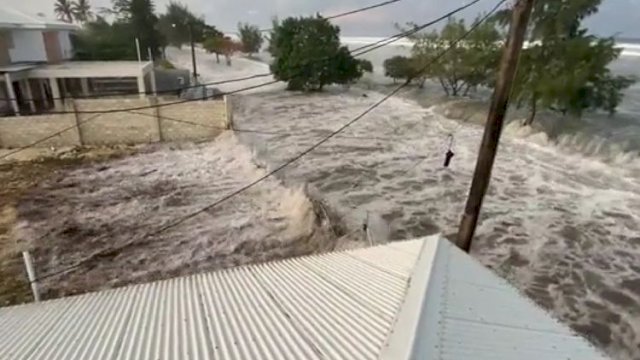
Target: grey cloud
pixel 616 16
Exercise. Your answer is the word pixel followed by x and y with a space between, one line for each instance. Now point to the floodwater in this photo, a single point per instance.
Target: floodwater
pixel 561 219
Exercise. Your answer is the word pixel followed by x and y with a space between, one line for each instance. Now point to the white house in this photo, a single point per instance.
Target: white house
pixel 25 38
pixel 36 71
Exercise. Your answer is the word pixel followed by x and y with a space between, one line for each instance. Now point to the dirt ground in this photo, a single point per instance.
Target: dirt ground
pixel 18 177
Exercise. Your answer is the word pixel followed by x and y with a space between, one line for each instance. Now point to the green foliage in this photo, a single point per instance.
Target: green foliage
pixel 458 66
pixel 307 54
pixel 178 22
pixel 566 69
pixel 82 11
pixel 214 44
pixel 100 40
pixel 365 66
pixel 251 38
pixel 144 25
pixel 399 68
pixel 221 46
pixel 63 10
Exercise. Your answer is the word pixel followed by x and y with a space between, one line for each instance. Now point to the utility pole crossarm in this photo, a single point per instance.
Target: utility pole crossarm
pixel 493 128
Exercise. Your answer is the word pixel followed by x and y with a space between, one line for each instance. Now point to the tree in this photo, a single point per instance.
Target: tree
pixel 82 11
pixel 178 23
pixel 143 23
pixel 459 66
pixel 100 40
pixel 307 54
pixel 566 69
pixel 216 45
pixel 63 10
pixel 251 38
pixel 399 68
pixel 365 66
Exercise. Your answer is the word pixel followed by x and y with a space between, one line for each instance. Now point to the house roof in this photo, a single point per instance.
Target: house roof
pixel 420 299
pixel 94 69
pixel 14 19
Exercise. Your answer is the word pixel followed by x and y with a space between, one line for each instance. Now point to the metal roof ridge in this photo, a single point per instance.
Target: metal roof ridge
pixel 425 285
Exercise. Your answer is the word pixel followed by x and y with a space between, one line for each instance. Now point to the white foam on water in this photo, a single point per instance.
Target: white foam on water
pixel 111 213
pixel 564 228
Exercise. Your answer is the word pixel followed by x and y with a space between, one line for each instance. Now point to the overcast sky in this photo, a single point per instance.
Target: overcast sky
pixel 616 16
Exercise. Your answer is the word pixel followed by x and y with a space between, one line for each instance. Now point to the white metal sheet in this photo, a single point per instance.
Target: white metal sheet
pixel 465 311
pixel 333 306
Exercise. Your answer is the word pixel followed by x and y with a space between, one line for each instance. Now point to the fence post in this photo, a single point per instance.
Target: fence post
pixel 229 112
pixel 76 115
pixel 153 101
pixel 31 273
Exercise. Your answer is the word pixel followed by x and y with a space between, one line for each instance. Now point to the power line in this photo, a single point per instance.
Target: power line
pixel 295 158
pixel 347 13
pixel 414 30
pixel 359 51
pixel 351 12
pixel 260 132
pixel 364 49
pixel 98 113
pixel 327 138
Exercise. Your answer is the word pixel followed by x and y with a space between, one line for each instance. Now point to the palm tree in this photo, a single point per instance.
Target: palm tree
pixel 82 11
pixel 63 10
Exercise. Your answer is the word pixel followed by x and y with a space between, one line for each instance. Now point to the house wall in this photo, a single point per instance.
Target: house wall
pixel 64 37
pixel 28 45
pixel 206 120
pixel 52 46
pixel 6 42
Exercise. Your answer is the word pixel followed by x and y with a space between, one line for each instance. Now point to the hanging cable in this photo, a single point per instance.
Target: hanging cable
pixel 289 162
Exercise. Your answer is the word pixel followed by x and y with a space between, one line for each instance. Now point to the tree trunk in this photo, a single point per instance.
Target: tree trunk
pixel 444 86
pixel 217 58
pixel 228 60
pixel 533 109
pixel 466 90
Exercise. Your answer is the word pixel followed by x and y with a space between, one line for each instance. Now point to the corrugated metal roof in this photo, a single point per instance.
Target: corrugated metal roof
pixel 455 309
pixel 332 306
pixel 424 299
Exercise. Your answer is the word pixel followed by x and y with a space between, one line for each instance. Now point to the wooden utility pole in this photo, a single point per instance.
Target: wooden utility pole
pixel 493 128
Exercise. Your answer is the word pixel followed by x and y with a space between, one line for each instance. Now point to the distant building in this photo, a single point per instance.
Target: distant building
pixel 36 73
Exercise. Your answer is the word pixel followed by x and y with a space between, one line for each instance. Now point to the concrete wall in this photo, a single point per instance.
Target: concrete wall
pixel 26 130
pixel 195 120
pixel 139 126
pixel 198 114
pixel 28 45
pixel 169 79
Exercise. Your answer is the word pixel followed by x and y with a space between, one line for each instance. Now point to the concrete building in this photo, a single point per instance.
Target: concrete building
pixel 36 73
pixel 418 299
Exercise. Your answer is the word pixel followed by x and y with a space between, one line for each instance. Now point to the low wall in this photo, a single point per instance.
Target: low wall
pixel 193 120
